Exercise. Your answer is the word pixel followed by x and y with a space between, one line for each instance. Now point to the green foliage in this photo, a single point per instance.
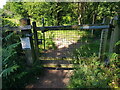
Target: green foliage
pixel 61 13
pixel 6 72
pixel 89 48
pixel 118 43
pixel 6 22
pixel 14 71
pixel 16 8
pixel 49 41
pixel 9 60
pixel 91 73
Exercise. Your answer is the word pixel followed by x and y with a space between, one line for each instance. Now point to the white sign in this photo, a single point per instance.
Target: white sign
pixel 25 43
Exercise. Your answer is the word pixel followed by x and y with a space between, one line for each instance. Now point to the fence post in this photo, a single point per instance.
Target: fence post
pixel 26 41
pixel 115 36
pixel 36 40
pixel 103 40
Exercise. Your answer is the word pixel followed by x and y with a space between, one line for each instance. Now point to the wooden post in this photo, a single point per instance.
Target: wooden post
pixel 26 41
pixel 36 40
pixel 103 42
pixel 115 36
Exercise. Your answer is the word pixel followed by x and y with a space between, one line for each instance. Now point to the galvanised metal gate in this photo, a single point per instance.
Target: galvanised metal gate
pixel 65 39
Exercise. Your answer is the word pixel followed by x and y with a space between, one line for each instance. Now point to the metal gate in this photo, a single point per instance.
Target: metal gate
pixel 57 43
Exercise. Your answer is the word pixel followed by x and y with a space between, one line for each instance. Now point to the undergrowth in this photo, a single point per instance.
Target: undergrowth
pixel 91 72
pixel 15 73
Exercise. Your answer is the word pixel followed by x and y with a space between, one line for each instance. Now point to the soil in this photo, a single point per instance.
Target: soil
pixel 64 49
pixel 57 78
pixel 53 79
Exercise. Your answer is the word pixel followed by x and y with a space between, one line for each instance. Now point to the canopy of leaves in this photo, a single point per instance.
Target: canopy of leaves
pixel 60 13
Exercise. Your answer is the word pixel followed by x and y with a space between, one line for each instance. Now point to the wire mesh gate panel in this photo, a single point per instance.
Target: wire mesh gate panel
pixel 60 44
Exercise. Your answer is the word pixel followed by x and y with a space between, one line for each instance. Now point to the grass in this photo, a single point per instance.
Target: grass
pixel 92 72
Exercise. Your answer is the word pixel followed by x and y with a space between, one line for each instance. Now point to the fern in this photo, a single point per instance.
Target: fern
pixel 118 43
pixel 13 46
pixel 7 58
pixel 9 70
pixel 8 36
pixel 12 63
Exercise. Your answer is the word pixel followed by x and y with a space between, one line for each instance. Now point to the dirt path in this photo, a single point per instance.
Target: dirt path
pixel 53 79
pixel 64 49
pixel 57 78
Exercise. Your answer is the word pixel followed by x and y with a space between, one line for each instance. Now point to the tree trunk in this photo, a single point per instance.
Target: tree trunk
pixel 81 10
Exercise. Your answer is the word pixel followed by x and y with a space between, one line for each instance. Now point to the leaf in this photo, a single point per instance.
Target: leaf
pixel 4 61
pixel 118 43
pixel 13 45
pixel 8 36
pixel 7 71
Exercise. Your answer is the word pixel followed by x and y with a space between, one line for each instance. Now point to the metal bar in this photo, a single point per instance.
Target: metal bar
pixel 36 40
pixel 43 32
pixel 56 62
pixel 74 27
pixel 53 68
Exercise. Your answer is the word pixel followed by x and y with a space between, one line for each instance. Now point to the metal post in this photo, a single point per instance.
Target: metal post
pixel 26 41
pixel 43 32
pixel 36 40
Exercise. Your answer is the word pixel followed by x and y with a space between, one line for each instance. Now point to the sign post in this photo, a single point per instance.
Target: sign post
pixel 26 41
